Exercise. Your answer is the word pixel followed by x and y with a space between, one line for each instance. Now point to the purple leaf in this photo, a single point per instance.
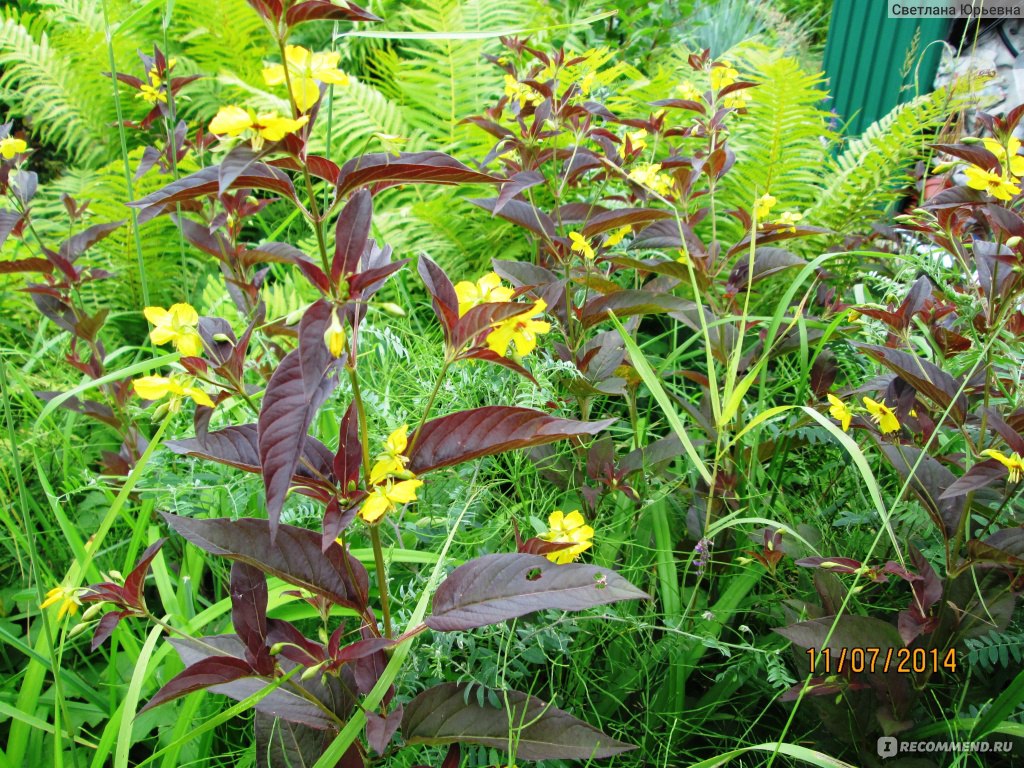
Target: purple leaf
pixel 105 627
pixel 135 580
pixel 297 557
pixel 207 182
pixel 348 460
pixel 494 588
pixel 492 429
pixel 314 10
pixel 446 714
pixel 924 376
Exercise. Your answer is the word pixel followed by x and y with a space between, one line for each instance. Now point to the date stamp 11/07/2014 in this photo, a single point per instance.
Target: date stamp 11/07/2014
pixel 901 660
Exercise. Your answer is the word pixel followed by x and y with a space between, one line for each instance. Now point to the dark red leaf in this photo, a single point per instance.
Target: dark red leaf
pixel 349 458
pixel 632 302
pixel 767 262
pixel 314 10
pixel 442 294
pixel 249 613
pixel 234 164
pixel 515 186
pixel 215 670
pixel 480 318
pixel 207 182
pixel 237 447
pixel 635 217
pixel 351 234
pixel 449 714
pixel 75 246
pixel 135 581
pixel 384 170
pixel 297 558
pixel 492 429
pixel 494 588
pixel 521 213
pixel 380 730
pixel 981 475
pixel 298 388
pixel 105 627
pixel 972 153
pixel 924 376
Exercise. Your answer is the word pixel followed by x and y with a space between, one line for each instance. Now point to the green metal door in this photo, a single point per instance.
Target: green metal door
pixel 871 60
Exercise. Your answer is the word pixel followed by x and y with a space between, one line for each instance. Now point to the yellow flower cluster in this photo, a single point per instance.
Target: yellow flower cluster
pixel 487 290
pixel 1001 186
pixel 66 596
pixel 723 76
pixel 265 126
pixel 581 246
pixel 153 91
pixel 305 71
pixel 568 529
pixel 524 94
pixel 763 206
pixel 651 177
pixel 880 413
pixel 520 330
pixel 393 483
pixel 788 220
pixel 10 146
pixel 176 326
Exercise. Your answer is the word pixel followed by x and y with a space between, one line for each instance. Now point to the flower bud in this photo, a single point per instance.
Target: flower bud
pixel 1014 241
pixel 276 648
pixel 334 336
pixel 392 309
pixel 92 610
pixel 78 629
pixel 311 672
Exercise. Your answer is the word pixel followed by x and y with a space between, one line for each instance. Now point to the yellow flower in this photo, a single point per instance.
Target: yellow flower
pixel 392 461
pixel 840 412
pixel 1016 163
pixel 788 220
pixel 384 498
pixel 305 70
pixel 581 246
pixel 616 237
pixel 153 93
pixel 1014 462
pixel 269 126
pixel 334 336
pixel 882 415
pixel 723 76
pixel 738 100
pixel 176 325
pixel 517 91
pixel 487 290
pixel 568 529
pixel 650 176
pixel 763 206
pixel 66 596
pixel 10 146
pixel 521 330
pixel 178 387
pixel 688 92
pixel 638 139
pixel 999 187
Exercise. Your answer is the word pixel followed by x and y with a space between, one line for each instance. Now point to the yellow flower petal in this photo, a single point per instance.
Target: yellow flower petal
pixel 398 440
pixel 616 237
pixel 882 415
pixel 580 245
pixel 152 387
pixel 198 396
pixel 375 506
pixel 404 491
pixel 188 343
pixel 274 128
pixel 232 121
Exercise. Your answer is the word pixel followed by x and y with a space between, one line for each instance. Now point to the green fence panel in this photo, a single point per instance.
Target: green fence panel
pixel 871 61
